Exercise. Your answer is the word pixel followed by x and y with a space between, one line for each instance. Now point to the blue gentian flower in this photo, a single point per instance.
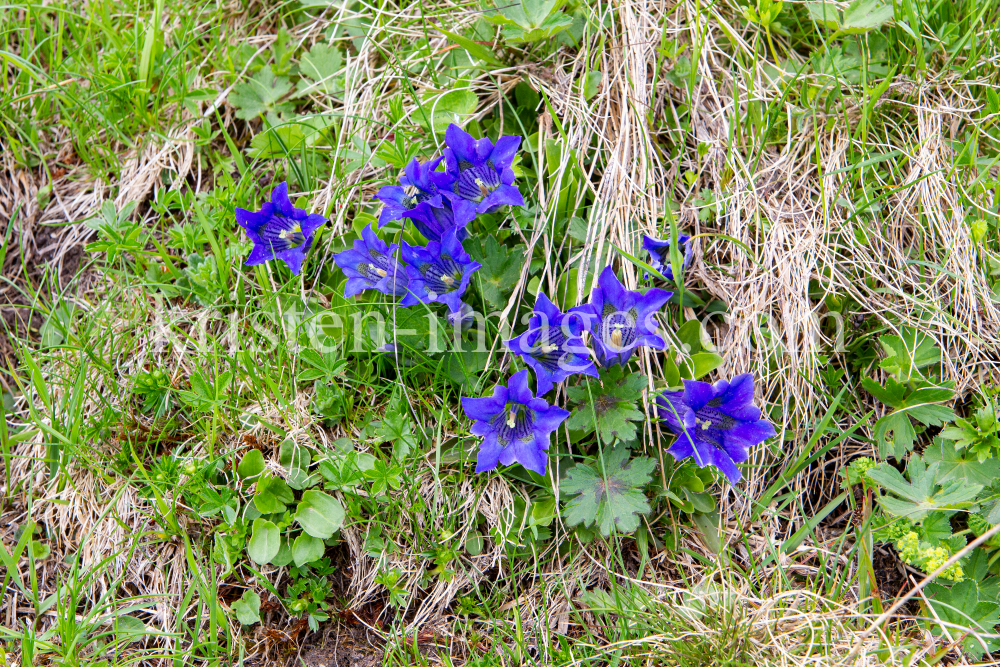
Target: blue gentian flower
pixel 621 320
pixel 552 346
pixel 398 202
pixel 514 425
pixel 438 273
pixel 479 171
pixel 659 253
pixel 372 265
pixel 463 317
pixel 279 230
pixel 429 212
pixel 716 424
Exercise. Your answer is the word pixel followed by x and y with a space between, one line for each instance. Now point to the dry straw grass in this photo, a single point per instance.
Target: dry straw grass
pixel 808 236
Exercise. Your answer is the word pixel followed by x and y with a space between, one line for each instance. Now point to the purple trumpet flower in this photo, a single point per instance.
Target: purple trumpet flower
pixel 438 273
pixel 372 265
pixel 552 346
pixel 279 230
pixel 514 425
pixel 659 253
pixel 620 320
pixel 479 171
pixel 716 424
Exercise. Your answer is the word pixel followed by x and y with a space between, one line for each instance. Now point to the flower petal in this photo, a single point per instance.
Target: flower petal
pixel 504 151
pixel 518 387
pixel 279 197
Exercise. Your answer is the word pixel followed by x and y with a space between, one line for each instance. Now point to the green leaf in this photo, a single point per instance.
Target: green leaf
pixel 264 543
pixel 278 142
pixel 307 549
pixel 608 494
pixel 608 407
pixel 500 271
pixel 319 68
pixel 260 95
pixel 319 514
pixel 296 460
pixel 272 495
pixel 825 14
pixel 247 608
pixel 895 435
pixel 963 605
pixel 445 108
pixel 864 15
pixel 892 394
pixel 923 492
pixel 906 354
pixel 592 84
pixel 251 465
pixel 475 50
pixel 930 414
pixel 701 364
pixel 952 466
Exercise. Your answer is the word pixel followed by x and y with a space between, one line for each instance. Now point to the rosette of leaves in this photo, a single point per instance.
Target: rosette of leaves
pixel 965 605
pixel 978 435
pixel 608 407
pixel 924 492
pixel 608 491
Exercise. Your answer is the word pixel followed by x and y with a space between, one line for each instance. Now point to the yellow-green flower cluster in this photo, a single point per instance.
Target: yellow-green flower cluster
pixel 855 472
pixel 927 557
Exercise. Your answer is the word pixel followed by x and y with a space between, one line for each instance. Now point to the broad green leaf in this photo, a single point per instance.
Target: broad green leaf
pixel 610 410
pixel 265 540
pixel 284 555
pixel 892 394
pixel 923 493
pixel 247 608
pixel 319 514
pixel 907 353
pixel 475 50
pixel 690 334
pixel 963 606
pixel 825 14
pixel 931 414
pixel 895 435
pixel 261 94
pixel 443 109
pixel 701 364
pixel 609 493
pixel 952 466
pixel 272 495
pixel 251 465
pixel 500 271
pixel 319 68
pixel 865 15
pixel 307 549
pixel 278 142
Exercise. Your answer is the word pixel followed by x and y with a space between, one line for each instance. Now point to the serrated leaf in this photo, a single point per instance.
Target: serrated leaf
pixel 825 14
pixel 906 354
pixel 936 527
pixel 261 94
pixel 265 540
pixel 952 466
pixel 891 394
pixel 609 495
pixel 902 435
pixel 319 70
pixel 307 549
pixel 247 608
pixel 963 606
pixel 608 407
pixel 923 492
pixel 931 414
pixel 500 271
pixel 865 15
pixel 319 514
